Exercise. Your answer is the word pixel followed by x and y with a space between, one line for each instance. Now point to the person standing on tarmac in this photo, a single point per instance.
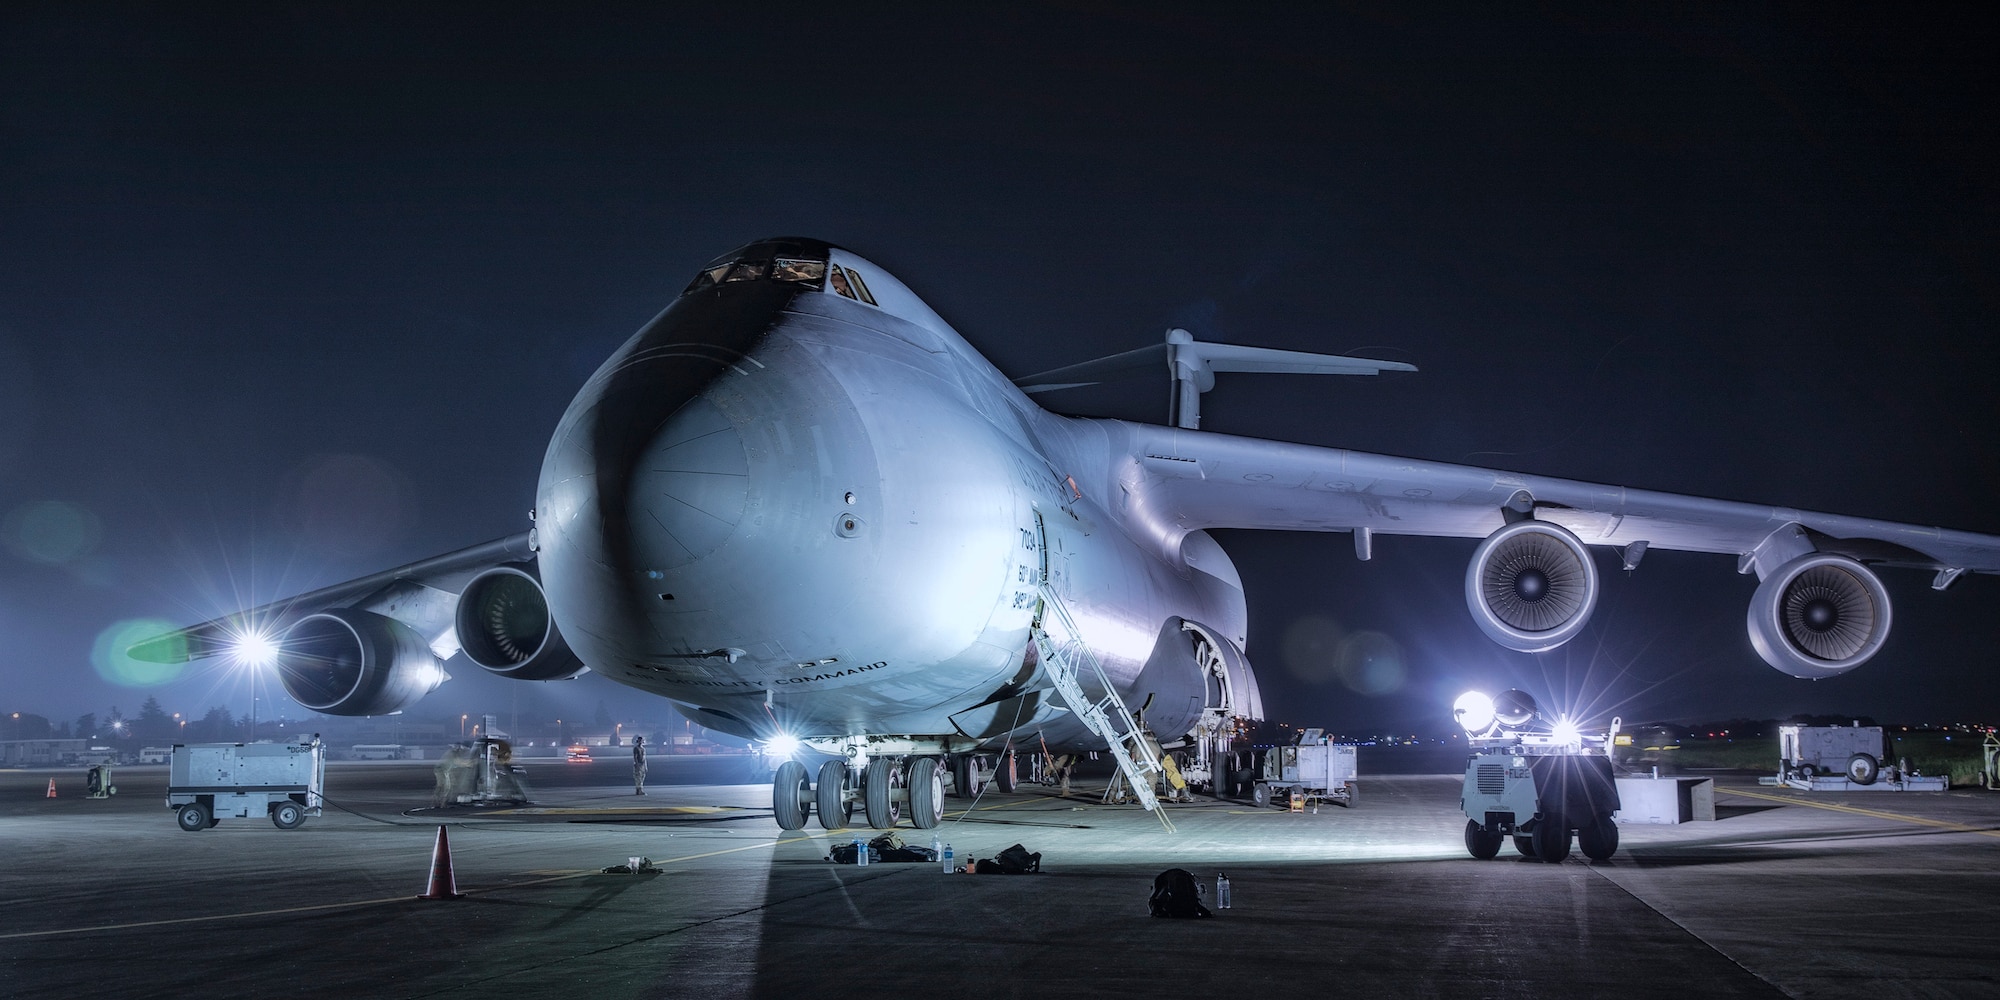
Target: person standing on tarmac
pixel 638 765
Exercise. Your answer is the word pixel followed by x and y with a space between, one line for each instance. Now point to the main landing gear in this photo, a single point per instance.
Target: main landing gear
pixel 885 787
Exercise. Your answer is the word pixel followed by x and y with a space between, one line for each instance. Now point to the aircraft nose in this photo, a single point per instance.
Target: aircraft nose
pixel 642 462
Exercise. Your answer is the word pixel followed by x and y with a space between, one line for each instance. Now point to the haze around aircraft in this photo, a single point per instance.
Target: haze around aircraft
pixel 800 506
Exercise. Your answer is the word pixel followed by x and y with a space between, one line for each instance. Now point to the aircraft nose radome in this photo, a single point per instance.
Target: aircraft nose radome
pixel 691 487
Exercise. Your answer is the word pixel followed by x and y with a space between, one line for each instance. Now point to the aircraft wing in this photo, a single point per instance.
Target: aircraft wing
pixel 1192 479
pixel 422 594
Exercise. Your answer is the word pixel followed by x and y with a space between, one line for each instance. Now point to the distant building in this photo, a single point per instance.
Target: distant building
pixel 41 753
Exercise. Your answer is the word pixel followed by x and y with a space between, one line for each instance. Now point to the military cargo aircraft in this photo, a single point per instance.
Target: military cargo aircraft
pixel 801 507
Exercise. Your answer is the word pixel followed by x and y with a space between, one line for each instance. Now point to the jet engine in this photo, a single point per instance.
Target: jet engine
pixel 1819 615
pixel 504 625
pixel 1531 586
pixel 346 661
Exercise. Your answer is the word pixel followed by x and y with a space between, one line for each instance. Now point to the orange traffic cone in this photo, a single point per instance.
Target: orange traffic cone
pixel 52 788
pixel 443 885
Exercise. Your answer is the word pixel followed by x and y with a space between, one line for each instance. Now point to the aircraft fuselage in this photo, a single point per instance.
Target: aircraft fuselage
pixel 801 513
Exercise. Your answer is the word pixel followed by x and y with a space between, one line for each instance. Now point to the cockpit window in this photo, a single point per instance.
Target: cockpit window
pixel 840 282
pixel 860 287
pixel 801 272
pixel 748 270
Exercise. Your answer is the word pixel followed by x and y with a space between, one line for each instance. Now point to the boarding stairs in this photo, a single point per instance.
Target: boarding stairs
pixel 1069 663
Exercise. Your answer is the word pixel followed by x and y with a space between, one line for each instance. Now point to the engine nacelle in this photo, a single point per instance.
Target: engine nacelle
pixel 504 625
pixel 1819 615
pixel 1531 586
pixel 346 661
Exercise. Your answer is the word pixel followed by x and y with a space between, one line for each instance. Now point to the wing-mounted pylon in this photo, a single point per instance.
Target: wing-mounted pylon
pixel 1192 365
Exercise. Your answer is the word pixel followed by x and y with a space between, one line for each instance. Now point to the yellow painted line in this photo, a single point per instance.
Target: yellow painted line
pixel 1941 824
pixel 351 904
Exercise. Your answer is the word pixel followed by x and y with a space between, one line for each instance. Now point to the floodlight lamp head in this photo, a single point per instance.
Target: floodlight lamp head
pixel 1565 732
pixel 1513 707
pixel 781 745
pixel 1474 712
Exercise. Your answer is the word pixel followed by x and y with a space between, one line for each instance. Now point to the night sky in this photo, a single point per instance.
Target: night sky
pixel 292 293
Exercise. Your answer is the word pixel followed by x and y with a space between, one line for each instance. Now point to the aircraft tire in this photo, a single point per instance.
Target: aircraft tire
pixel 961 776
pixel 1524 845
pixel 1551 838
pixel 788 795
pixel 926 793
pixel 1599 840
pixel 193 818
pixel 1005 778
pixel 1478 842
pixel 835 809
pixel 878 792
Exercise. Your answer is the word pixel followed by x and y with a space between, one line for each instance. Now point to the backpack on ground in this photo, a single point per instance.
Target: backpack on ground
pixel 1175 895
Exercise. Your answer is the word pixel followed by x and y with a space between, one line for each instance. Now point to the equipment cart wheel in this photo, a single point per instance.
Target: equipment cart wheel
pixel 830 797
pixel 1525 845
pixel 1807 772
pixel 111 790
pixel 1261 796
pixel 193 817
pixel 878 792
pixel 788 795
pixel 1598 840
pixel 1353 793
pixel 1479 843
pixel 1862 769
pixel 288 815
pixel 1551 838
pixel 926 793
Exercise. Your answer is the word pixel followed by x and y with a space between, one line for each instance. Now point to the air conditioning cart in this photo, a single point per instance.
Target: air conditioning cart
pixel 210 782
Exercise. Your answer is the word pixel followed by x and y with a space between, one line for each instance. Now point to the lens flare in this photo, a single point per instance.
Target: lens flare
pixel 781 745
pixel 109 656
pixel 254 649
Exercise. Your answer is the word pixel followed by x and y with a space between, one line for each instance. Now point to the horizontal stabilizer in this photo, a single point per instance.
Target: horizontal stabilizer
pixel 1192 365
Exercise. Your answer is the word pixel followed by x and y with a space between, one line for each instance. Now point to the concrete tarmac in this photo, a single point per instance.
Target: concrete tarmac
pixel 1786 894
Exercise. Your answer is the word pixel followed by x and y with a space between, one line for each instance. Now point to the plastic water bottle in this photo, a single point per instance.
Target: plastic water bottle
pixel 945 855
pixel 1221 890
pixel 860 852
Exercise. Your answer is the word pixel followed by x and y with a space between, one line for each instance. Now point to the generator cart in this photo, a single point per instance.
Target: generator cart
pixel 210 782
pixel 1845 759
pixel 1312 769
pixel 1537 785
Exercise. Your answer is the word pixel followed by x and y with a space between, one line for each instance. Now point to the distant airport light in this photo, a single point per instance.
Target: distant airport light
pixel 254 649
pixel 781 745
pixel 1474 712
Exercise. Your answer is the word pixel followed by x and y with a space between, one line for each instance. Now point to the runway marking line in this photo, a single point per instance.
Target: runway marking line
pixel 1943 824
pixel 351 904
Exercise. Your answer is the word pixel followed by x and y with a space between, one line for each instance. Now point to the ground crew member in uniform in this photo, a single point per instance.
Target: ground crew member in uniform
pixel 638 765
